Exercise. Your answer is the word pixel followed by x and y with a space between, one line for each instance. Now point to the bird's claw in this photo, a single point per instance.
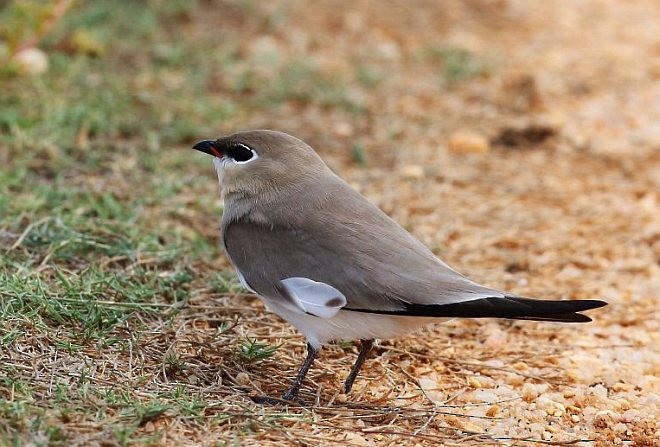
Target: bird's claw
pixel 273 401
pixel 289 397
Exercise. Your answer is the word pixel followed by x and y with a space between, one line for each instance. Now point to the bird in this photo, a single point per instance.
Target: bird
pixel 331 263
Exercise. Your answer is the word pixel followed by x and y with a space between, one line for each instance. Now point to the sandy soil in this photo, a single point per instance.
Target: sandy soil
pixel 571 214
pixel 520 140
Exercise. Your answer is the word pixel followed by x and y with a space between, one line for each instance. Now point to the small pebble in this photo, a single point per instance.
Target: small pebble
pixel 470 427
pixel 493 411
pixel 242 378
pixel 520 366
pixel 343 129
pixel 356 439
pixel 624 404
pixel 32 61
pixel 413 172
pixel 485 396
pixel 468 142
pixel 529 392
pixel 474 382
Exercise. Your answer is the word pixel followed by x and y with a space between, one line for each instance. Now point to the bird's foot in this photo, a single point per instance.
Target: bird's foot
pixel 291 395
pixel 274 401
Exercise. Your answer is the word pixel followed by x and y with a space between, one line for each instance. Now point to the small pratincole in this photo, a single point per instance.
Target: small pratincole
pixel 331 263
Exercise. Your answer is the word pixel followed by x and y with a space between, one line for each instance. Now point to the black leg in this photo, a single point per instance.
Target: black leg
pixel 365 348
pixel 292 392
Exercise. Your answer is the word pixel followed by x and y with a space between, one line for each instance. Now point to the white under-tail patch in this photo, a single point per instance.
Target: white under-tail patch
pixel 313 297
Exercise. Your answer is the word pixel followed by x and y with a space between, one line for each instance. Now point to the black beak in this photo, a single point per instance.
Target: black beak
pixel 208 147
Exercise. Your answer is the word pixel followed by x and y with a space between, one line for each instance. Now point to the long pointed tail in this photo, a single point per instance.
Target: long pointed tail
pixel 520 309
pixel 511 307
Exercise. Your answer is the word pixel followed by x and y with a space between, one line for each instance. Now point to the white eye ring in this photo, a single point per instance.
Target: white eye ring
pixel 252 151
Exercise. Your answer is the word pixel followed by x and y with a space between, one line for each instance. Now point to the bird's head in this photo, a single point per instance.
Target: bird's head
pixel 261 161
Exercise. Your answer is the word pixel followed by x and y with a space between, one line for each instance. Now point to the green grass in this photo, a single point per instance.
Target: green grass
pixel 359 155
pixel 456 64
pixel 108 222
pixel 252 351
pixel 117 308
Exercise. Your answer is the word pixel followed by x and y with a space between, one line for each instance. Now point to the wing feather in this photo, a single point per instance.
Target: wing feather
pixel 335 236
pixel 313 297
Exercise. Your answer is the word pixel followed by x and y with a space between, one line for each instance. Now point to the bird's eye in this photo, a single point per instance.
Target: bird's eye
pixel 240 153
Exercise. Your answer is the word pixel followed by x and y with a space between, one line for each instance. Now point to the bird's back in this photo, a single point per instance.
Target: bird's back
pixel 326 231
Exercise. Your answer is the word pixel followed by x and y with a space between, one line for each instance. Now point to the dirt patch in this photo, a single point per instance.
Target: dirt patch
pixel 378 89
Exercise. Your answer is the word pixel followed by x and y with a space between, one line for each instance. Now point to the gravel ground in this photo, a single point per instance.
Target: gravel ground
pixel 543 179
pixel 519 140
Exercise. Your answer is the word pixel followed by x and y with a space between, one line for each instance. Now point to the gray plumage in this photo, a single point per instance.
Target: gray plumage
pixel 333 235
pixel 297 233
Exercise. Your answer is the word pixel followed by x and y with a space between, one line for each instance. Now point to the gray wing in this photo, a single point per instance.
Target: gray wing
pixel 326 248
pixel 375 264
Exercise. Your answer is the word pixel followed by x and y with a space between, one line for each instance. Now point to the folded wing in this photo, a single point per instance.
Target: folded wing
pixel 367 261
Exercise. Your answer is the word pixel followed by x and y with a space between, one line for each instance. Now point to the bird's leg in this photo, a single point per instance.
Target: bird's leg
pixel 292 392
pixel 365 348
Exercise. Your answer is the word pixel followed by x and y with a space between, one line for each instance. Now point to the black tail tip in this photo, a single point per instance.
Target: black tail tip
pixel 593 304
pixel 573 316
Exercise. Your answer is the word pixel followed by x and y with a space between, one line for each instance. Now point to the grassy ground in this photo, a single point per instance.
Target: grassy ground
pixel 121 322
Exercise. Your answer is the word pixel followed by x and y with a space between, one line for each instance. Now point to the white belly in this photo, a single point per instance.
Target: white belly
pixel 348 325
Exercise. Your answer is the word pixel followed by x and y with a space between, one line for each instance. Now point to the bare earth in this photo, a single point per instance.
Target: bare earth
pixel 557 197
pixel 573 216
